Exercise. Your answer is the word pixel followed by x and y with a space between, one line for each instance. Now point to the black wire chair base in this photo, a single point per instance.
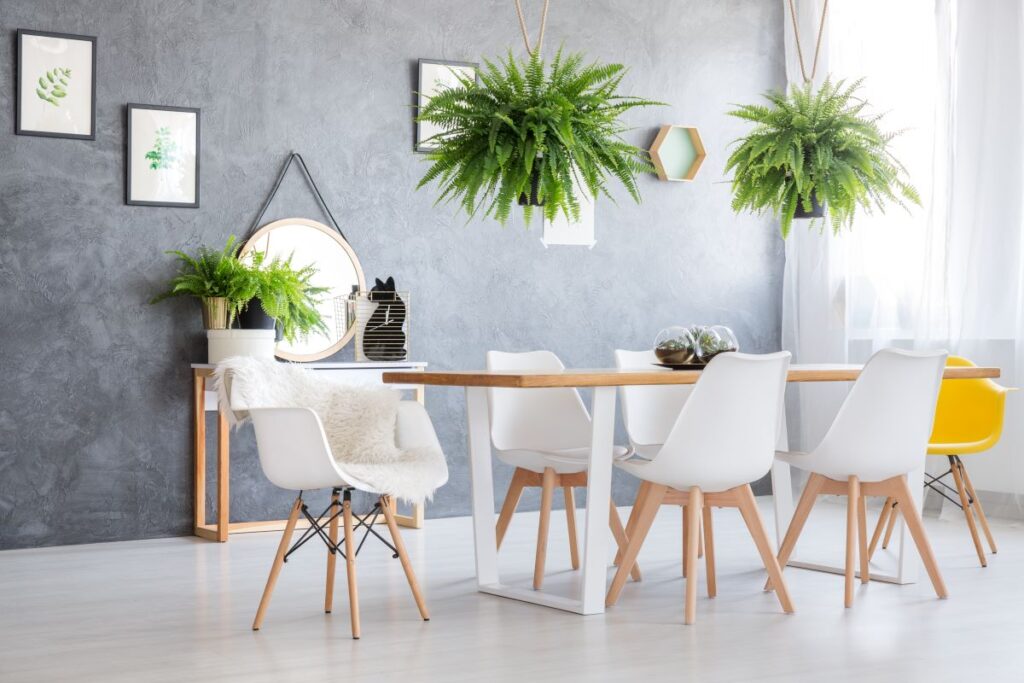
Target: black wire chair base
pixel 933 483
pixel 317 525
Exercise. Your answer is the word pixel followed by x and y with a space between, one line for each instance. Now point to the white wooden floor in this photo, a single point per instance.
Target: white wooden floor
pixel 180 610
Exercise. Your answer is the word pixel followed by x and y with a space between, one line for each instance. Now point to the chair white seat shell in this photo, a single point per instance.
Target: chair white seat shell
pixel 566 461
pixel 722 439
pixel 545 434
pixel 295 453
pixel 879 435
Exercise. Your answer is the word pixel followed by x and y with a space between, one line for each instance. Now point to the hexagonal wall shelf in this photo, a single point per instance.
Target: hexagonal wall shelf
pixel 677 152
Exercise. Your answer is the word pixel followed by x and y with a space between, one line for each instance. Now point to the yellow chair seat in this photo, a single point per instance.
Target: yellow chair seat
pixel 969 414
pixel 966 448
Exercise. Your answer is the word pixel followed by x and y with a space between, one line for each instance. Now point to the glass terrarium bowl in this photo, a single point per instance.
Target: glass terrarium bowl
pixel 712 340
pixel 676 346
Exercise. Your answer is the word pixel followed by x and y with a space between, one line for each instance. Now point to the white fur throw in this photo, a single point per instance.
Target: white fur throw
pixel 359 421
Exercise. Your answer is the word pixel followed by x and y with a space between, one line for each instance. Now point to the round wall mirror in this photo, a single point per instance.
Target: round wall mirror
pixel 309 242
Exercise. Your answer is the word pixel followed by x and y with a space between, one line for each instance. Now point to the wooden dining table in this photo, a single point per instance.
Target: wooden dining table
pixel 604 382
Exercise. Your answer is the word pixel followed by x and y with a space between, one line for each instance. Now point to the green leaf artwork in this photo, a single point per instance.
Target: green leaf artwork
pixel 164 152
pixel 53 85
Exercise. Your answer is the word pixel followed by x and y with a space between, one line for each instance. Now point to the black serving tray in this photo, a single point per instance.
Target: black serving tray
pixel 683 366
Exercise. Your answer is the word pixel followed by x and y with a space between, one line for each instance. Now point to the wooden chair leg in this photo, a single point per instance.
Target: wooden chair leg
pixel 883 517
pixel 700 538
pixel 570 521
pixel 695 503
pixel 862 535
pixel 403 557
pixel 546 495
pixel 709 554
pixel 755 525
pixel 508 508
pixel 686 540
pixel 852 494
pixel 700 541
pixel 976 504
pixel 965 503
pixel 275 569
pixel 621 539
pixel 350 565
pixel 796 525
pixel 916 527
pixel 645 517
pixel 892 524
pixel 331 555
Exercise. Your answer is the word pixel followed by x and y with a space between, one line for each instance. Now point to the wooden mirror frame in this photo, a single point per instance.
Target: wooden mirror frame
pixel 336 236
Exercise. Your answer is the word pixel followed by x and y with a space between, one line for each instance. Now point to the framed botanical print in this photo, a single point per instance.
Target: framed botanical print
pixel 56 89
pixel 435 76
pixel 163 156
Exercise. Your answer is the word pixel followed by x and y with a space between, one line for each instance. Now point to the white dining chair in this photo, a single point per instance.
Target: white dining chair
pixel 649 411
pixel 295 454
pixel 723 439
pixel 545 435
pixel 879 435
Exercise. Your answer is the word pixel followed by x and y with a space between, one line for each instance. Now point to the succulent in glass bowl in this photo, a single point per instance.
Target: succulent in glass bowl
pixel 712 340
pixel 676 346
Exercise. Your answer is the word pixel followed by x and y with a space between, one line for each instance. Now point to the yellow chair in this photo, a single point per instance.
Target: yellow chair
pixel 968 419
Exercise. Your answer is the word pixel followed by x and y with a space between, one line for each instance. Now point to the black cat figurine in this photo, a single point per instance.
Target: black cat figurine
pixel 384 335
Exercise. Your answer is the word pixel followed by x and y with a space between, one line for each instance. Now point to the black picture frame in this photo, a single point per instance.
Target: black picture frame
pixel 131 107
pixel 417 145
pixel 19 129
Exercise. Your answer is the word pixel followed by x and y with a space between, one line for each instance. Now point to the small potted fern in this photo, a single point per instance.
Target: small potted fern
pixel 533 134
pixel 216 278
pixel 812 153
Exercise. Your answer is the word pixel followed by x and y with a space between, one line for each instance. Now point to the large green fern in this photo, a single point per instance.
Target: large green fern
pixel 816 145
pixel 522 125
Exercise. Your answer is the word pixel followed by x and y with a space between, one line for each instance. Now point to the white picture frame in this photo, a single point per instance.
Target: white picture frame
pixel 162 166
pixel 434 76
pixel 56 85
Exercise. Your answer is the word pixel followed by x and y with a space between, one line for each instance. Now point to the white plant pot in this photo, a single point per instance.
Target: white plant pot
pixel 221 344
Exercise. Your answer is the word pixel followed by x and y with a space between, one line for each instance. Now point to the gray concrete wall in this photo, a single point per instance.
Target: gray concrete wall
pixel 94 406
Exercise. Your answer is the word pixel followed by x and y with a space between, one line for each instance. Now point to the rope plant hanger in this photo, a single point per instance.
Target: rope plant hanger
pixel 532 133
pixel 526 34
pixel 796 38
pixel 812 149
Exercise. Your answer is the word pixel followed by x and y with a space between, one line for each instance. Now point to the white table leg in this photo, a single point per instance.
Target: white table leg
pixel 782 497
pixel 479 433
pixel 782 483
pixel 595 551
pixel 908 559
pixel 599 493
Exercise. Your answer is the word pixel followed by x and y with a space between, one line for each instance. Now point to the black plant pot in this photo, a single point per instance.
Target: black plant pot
pixel 817 208
pixel 533 198
pixel 254 318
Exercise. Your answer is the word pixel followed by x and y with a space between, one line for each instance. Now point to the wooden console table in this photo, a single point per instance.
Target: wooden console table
pixel 204 400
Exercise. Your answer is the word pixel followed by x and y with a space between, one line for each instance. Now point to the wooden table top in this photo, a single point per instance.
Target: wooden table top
pixel 611 377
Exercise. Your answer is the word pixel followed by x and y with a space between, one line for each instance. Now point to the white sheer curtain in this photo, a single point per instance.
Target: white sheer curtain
pixel 949 274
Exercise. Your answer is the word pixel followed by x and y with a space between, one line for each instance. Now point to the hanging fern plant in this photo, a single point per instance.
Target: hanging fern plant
pixel 812 149
pixel 533 134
